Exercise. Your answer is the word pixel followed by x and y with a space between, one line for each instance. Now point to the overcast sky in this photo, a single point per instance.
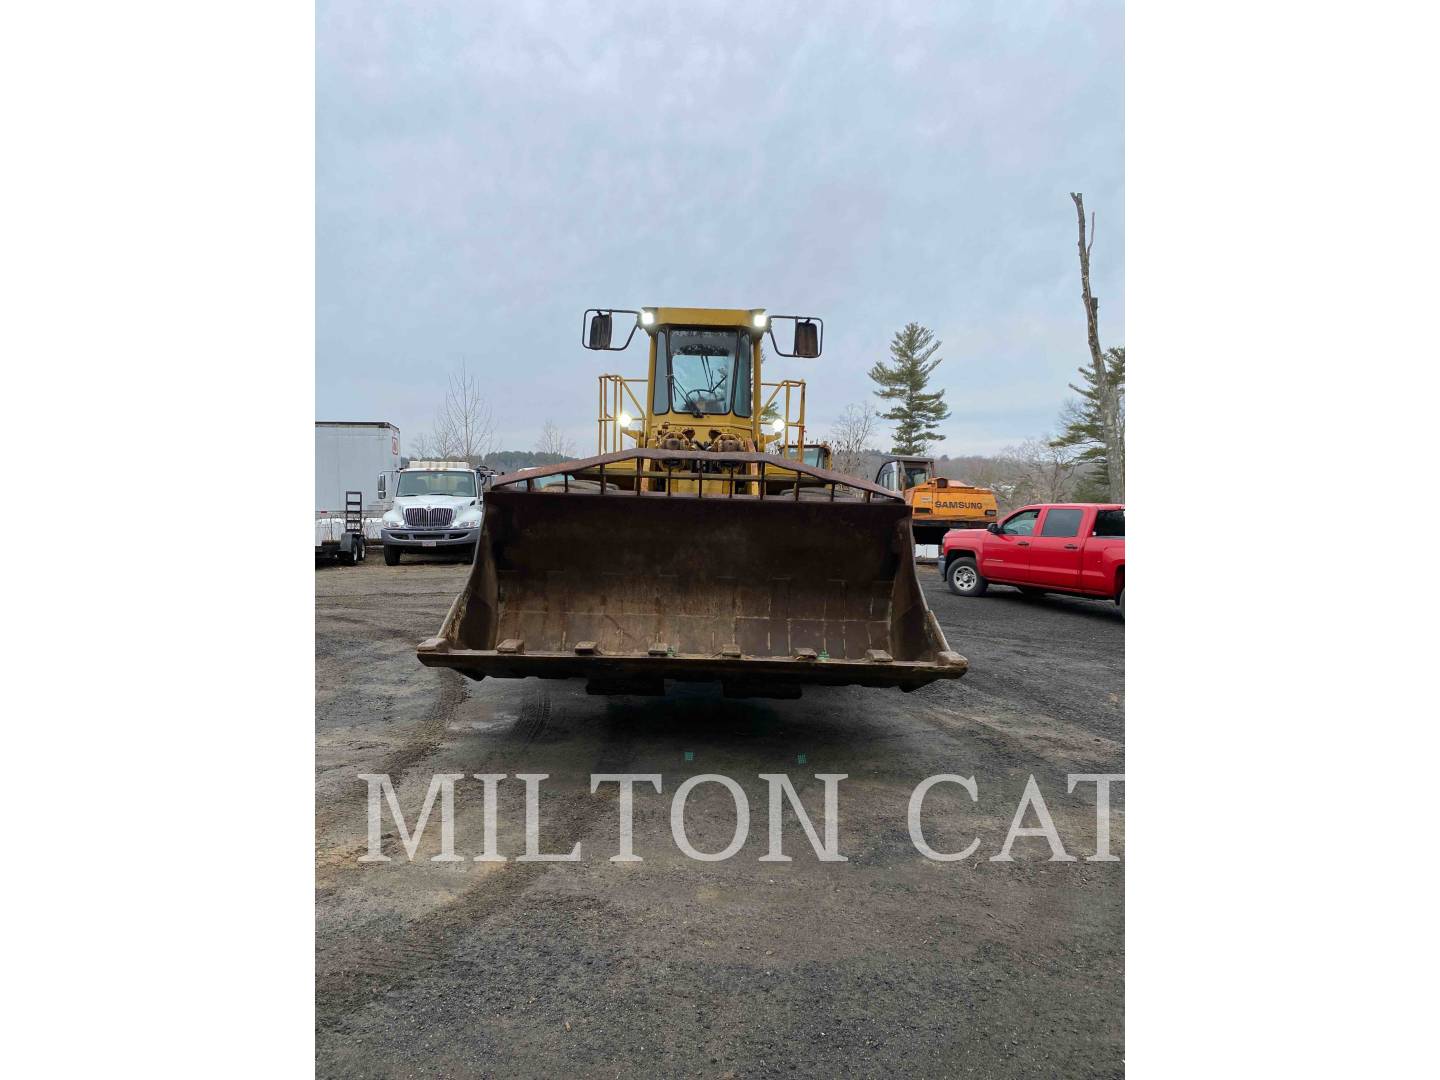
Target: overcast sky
pixel 485 172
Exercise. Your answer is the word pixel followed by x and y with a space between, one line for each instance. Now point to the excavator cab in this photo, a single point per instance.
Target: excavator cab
pixel 902 474
pixel 699 545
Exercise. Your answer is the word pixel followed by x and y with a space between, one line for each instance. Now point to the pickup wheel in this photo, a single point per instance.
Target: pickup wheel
pixel 1121 601
pixel 963 579
pixel 392 555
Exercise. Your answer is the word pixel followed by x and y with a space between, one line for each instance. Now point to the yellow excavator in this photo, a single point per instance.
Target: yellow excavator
pixel 938 503
pixel 699 544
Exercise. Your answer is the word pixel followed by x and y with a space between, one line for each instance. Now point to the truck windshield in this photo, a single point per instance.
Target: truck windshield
pixel 461 484
pixel 706 372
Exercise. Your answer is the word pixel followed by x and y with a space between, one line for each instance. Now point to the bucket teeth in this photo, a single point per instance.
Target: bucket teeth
pixel 659 648
pixel 587 648
pixel 806 654
pixel 512 645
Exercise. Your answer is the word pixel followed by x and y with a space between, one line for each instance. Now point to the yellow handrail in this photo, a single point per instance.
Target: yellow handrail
pixel 794 394
pixel 614 390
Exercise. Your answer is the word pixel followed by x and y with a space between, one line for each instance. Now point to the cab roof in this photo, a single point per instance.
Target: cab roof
pixel 688 316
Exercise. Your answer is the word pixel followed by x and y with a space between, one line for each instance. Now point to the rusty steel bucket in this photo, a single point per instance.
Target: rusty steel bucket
pixel 633 568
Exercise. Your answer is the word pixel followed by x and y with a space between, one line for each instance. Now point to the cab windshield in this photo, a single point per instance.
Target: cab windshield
pixel 704 372
pixel 915 475
pixel 460 484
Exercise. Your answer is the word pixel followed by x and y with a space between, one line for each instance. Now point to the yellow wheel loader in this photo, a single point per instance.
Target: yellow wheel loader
pixel 938 503
pixel 698 545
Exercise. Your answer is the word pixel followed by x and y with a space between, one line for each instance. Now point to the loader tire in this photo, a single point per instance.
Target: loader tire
pixel 392 555
pixel 963 579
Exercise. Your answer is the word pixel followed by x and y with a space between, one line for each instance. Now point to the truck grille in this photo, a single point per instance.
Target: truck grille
pixel 437 517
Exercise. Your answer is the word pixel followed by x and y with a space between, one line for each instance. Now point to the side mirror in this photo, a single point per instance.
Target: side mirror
pixel 809 336
pixel 596 326
pixel 807 340
pixel 380 485
pixel 599 331
pixel 993 527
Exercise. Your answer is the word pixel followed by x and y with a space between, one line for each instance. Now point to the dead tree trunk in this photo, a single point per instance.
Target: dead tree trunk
pixel 1109 397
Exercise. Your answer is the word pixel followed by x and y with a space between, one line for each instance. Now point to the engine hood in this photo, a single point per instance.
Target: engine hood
pixel 455 502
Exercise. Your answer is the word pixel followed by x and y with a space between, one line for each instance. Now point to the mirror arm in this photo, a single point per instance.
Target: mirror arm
pixel 585 321
pixel 819 339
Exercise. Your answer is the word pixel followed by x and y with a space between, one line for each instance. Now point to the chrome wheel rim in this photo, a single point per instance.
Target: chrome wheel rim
pixel 965 577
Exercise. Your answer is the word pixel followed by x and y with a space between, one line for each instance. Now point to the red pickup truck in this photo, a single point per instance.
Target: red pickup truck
pixel 1074 548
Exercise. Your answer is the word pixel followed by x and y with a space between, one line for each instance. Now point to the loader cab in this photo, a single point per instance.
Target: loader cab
pixel 703 387
pixel 816 454
pixel 703 371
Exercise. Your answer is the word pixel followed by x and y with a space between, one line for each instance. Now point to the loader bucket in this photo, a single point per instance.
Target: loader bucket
pixel 627 587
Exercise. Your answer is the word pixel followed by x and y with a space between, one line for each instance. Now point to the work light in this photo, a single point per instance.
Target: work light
pixel 759 318
pixel 647 316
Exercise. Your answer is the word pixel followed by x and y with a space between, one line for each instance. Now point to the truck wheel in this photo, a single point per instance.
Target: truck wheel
pixel 392 555
pixel 1121 602
pixel 963 579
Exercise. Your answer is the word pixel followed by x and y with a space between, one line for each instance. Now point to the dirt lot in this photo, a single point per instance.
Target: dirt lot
pixel 887 964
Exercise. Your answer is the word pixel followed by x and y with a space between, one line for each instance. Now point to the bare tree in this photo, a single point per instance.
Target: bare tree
pixel 851 438
pixel 463 427
pixel 554 441
pixel 1043 472
pixel 1108 396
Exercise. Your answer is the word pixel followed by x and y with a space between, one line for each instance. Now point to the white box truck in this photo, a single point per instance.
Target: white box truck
pixel 353 463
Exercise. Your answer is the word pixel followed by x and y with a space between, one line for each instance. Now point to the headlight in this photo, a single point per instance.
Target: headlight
pixel 391 522
pixel 647 316
pixel 626 419
pixel 778 426
pixel 468 523
pixel 759 319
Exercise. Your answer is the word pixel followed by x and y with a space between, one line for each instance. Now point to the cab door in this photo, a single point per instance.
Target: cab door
pixel 1006 554
pixel 1056 547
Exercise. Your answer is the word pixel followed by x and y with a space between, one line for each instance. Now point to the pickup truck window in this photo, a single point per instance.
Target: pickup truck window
pixel 1062 522
pixel 1022 524
pixel 1110 523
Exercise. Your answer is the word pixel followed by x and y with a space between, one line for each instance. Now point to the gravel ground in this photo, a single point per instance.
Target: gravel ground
pixel 886 964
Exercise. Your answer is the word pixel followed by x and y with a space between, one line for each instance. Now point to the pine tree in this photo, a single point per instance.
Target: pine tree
pixel 1084 425
pixel 915 412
